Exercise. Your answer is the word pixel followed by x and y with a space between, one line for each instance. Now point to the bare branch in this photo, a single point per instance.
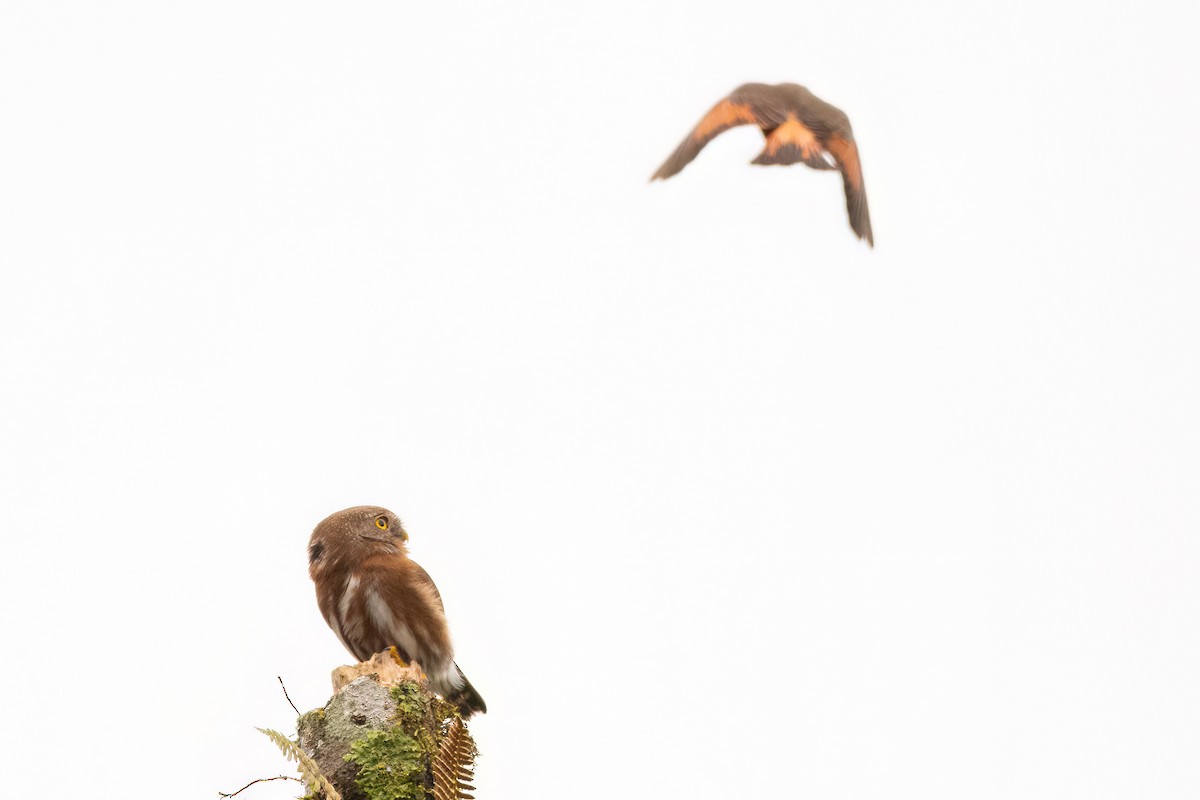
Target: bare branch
pixel 261 780
pixel 285 694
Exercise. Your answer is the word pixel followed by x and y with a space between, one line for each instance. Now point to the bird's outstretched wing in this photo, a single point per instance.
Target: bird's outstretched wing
pixel 845 151
pixel 724 115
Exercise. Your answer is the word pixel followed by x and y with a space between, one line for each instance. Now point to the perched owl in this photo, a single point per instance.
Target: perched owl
pixel 799 127
pixel 374 597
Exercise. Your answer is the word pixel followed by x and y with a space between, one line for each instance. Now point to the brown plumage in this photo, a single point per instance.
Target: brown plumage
pixel 374 597
pixel 798 126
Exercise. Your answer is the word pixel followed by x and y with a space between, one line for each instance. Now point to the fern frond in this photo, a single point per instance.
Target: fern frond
pixel 308 769
pixel 454 765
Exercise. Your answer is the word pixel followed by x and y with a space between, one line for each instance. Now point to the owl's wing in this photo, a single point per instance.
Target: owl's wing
pixel 845 151
pixel 726 114
pixel 422 575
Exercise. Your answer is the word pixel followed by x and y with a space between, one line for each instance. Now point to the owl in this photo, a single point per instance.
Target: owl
pixel 374 597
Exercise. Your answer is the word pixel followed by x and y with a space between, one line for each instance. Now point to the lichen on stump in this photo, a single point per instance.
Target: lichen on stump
pixel 380 734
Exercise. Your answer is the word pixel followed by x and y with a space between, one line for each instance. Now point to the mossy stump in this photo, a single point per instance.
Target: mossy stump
pixel 379 736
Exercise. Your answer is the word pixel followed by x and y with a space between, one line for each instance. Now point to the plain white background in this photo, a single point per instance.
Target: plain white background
pixel 721 501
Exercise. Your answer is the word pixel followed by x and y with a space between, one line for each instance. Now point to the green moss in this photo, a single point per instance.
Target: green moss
pixel 417 712
pixel 396 763
pixel 411 706
pixel 391 765
pixel 314 717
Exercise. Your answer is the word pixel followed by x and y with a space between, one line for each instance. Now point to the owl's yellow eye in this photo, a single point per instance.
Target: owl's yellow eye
pixel 381 523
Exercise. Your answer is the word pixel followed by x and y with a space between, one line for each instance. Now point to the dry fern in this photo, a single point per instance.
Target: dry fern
pixel 454 765
pixel 308 769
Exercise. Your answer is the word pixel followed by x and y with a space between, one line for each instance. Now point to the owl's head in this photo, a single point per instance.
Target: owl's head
pixel 356 533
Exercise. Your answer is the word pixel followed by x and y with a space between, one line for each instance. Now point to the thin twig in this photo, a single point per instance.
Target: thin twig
pixel 285 694
pixel 261 780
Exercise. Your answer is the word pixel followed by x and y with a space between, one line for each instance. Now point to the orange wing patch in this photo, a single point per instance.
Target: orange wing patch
pixel 846 153
pixel 725 114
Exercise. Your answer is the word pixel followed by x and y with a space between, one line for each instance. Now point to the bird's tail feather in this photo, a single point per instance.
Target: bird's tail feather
pixel 466 697
pixel 791 154
pixel 793 143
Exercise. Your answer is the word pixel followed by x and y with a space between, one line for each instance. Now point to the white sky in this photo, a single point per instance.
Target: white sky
pixel 722 502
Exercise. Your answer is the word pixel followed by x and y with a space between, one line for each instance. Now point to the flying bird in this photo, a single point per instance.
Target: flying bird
pixel 374 598
pixel 799 127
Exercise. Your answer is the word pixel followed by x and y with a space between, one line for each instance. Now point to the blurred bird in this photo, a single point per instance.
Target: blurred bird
pixel 375 598
pixel 799 127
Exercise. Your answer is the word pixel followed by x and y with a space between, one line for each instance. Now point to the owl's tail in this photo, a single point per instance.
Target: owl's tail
pixel 465 697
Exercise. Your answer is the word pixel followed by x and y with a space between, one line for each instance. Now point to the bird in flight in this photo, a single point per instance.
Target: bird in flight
pixel 799 127
pixel 376 598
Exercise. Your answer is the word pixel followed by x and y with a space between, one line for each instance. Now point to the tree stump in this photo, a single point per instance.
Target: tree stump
pixel 384 736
